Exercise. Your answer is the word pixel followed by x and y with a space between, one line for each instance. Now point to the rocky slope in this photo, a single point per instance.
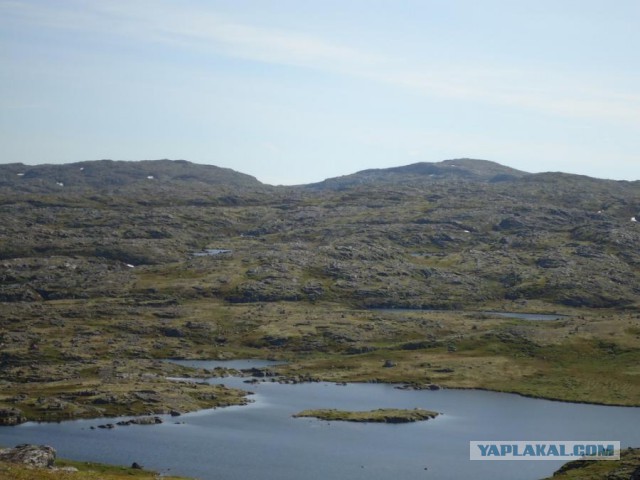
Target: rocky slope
pixel 401 237
pixel 112 269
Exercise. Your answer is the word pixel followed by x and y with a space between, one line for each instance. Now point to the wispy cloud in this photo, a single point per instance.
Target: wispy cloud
pixel 522 90
pixel 190 27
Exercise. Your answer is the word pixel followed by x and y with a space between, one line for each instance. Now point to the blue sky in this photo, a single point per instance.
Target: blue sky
pixel 298 91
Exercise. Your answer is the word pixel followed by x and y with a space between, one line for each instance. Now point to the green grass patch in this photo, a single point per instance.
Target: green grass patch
pixel 382 415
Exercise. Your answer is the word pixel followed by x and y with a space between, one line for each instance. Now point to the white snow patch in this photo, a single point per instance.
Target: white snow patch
pixel 20 174
pixel 599 211
pixel 467 231
pixel 81 168
pixel 633 219
pixel 129 265
pixel 60 184
pixel 150 177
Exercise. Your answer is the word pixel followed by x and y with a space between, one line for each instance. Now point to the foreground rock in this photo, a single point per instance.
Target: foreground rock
pixel 41 456
pixel 36 462
pixel 382 415
pixel 627 468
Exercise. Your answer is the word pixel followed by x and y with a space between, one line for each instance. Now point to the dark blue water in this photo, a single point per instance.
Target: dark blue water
pixel 262 441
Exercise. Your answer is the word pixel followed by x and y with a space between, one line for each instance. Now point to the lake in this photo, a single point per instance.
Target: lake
pixel 262 441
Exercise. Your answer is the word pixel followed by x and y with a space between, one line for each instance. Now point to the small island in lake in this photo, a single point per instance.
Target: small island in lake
pixel 381 415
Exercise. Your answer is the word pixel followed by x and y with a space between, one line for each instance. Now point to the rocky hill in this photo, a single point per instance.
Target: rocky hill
pixel 472 233
pixel 118 177
pixel 463 169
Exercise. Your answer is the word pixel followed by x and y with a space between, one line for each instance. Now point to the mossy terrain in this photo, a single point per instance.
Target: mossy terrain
pixel 85 470
pixel 381 415
pixel 107 275
pixel 627 468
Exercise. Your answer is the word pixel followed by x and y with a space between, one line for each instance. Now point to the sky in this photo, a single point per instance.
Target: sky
pixel 296 91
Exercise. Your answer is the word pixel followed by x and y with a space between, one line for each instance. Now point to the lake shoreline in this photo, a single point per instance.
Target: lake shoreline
pixel 242 394
pixel 275 404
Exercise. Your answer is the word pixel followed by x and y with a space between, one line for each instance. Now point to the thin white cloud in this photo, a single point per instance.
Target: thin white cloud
pixel 512 89
pixel 181 26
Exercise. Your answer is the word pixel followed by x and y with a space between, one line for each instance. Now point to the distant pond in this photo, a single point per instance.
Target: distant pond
pixel 514 315
pixel 527 316
pixel 210 252
pixel 261 441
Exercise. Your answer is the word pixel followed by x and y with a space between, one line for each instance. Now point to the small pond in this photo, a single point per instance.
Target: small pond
pixel 513 315
pixel 211 252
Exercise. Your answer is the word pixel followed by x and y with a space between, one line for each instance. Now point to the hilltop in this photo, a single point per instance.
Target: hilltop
pixel 463 169
pixel 177 178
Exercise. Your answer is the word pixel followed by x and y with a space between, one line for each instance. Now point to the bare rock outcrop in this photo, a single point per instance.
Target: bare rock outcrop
pixel 41 456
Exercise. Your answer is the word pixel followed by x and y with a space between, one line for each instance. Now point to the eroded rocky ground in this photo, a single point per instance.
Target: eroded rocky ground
pixel 103 276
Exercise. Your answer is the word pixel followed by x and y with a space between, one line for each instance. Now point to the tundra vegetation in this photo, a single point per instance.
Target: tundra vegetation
pixel 627 468
pixel 70 470
pixel 107 268
pixel 381 415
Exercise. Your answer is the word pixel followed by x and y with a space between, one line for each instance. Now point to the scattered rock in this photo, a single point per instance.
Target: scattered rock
pixel 509 223
pixel 145 421
pixel 547 262
pixel 11 416
pixel 105 400
pixel 258 372
pixel 415 386
pixel 444 370
pixel 65 469
pixel 41 456
pixel 172 332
